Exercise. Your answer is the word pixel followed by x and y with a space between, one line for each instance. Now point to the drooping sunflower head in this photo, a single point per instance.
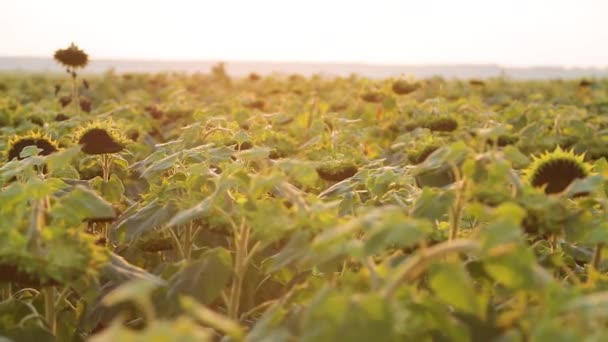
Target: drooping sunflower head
pixel 556 170
pixel 419 155
pixel 100 137
pixel 441 124
pixel 72 57
pixel 34 138
pixel 404 87
pixel 336 171
pixel 504 140
pixel 372 96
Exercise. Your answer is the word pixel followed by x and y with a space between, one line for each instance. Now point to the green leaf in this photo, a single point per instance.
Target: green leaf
pixel 196 212
pixel 241 136
pixel 453 285
pixel 395 229
pixel 82 203
pixel 294 250
pixel 112 190
pixel 61 159
pixel 203 279
pixel 37 188
pixel 152 216
pixel 137 290
pixel 213 319
pixel 453 154
pixel 504 227
pixel 29 151
pixel 598 233
pixel 433 204
pixel 161 165
pixel 254 153
pixel 343 316
pixel 269 220
pixel 586 185
pixel 389 102
pixel 514 155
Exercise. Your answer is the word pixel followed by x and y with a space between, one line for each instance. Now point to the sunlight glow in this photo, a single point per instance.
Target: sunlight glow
pixel 511 33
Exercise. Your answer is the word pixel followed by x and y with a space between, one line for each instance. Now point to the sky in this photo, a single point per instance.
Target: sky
pixel 570 33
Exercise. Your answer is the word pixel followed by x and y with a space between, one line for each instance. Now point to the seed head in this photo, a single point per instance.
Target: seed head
pixel 100 138
pixel 72 57
pixel 442 124
pixel 337 171
pixel 404 87
pixel 556 170
pixel 17 143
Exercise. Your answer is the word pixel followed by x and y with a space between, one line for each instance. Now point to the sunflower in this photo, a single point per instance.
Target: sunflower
pixel 504 140
pixel 336 171
pixel 85 104
pixel 372 97
pixel 404 87
pixel 33 138
pixel 556 170
pixel 100 138
pixel 441 124
pixel 417 156
pixel 72 57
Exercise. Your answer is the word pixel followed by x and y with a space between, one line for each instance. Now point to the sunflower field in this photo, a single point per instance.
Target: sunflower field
pixel 204 207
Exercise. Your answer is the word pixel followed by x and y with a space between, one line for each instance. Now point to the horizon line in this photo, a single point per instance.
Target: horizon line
pixel 329 62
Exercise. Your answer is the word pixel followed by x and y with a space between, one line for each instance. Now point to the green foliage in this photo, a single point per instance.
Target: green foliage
pixel 301 209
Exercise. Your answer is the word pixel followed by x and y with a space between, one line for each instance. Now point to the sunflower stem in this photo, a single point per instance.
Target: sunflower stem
pixel 456 211
pixel 188 240
pixel 243 257
pixel 105 165
pixel 597 256
pixel 7 291
pixel 75 99
pixel 49 308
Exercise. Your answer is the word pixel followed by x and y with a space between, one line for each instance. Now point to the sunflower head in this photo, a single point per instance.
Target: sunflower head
pixel 72 57
pixel 336 171
pixel 61 117
pixel 17 143
pixel 100 138
pixel 254 77
pixel 372 97
pixel 504 140
pixel 556 170
pixel 65 100
pixel 255 104
pixel 36 120
pixel 441 124
pixel 584 83
pixel 404 87
pixel 477 83
pixel 418 156
pixel 85 104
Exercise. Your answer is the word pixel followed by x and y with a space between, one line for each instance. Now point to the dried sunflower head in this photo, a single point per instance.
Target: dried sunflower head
pixel 72 57
pixel 556 170
pixel 100 138
pixel 17 143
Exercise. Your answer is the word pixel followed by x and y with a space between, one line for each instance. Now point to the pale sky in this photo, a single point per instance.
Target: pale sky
pixel 509 32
